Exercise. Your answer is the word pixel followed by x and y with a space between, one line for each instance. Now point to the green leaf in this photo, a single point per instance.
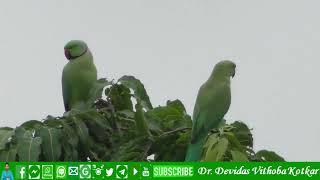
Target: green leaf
pixel 139 91
pixel 96 90
pixel 209 144
pixel 172 127
pixel 171 146
pixel 126 113
pixel 83 134
pixel 82 130
pixel 51 143
pixel 54 122
pixel 243 134
pixel 216 151
pixel 8 155
pixel 70 141
pixel 271 156
pixel 5 135
pixel 120 97
pixel 98 151
pixel 135 150
pixel 28 146
pixel 141 125
pixel 211 141
pixel 234 142
pixel 166 118
pixel 32 124
pixel 98 125
pixel 177 104
pixel 239 156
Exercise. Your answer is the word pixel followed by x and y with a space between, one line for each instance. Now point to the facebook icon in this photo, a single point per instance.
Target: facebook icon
pixel 21 172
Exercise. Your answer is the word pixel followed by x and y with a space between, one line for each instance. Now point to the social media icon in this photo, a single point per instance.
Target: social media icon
pixel 21 172
pixel 61 172
pixel 135 171
pixel 34 171
pixel 47 172
pixel 122 171
pixel 109 172
pixel 145 172
pixel 73 171
pixel 98 171
pixel 85 171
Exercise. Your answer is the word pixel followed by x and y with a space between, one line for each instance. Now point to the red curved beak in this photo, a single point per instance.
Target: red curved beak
pixel 67 54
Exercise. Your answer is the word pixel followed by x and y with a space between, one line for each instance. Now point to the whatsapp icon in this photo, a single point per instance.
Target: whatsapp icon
pixel 47 171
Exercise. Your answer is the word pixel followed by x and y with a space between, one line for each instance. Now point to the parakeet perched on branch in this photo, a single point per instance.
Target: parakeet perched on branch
pixel 212 103
pixel 79 75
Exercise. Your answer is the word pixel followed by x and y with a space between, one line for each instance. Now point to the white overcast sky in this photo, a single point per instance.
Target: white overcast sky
pixel 172 47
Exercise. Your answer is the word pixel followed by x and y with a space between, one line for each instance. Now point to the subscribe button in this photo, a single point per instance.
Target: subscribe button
pixel 172 171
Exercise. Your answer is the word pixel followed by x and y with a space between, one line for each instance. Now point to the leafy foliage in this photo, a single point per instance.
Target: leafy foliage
pixel 122 125
pixel 234 142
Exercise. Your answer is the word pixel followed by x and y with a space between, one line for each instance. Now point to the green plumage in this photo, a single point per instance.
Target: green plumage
pixel 79 75
pixel 212 103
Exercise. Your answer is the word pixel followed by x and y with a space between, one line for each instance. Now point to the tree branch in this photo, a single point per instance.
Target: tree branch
pixel 174 131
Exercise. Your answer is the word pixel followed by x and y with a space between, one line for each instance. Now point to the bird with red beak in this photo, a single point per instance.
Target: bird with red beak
pixel 79 75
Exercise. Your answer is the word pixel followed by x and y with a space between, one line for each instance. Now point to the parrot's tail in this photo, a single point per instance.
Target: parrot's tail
pixel 194 151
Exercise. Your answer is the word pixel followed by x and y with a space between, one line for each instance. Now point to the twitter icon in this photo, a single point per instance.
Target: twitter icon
pixel 109 172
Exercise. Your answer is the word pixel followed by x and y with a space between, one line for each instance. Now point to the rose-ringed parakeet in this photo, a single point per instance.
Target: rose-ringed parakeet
pixel 79 75
pixel 212 103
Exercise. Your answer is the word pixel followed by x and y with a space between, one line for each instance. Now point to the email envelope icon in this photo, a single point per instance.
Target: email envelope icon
pixel 73 170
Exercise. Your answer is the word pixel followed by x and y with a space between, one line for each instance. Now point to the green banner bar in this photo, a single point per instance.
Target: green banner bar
pixel 139 170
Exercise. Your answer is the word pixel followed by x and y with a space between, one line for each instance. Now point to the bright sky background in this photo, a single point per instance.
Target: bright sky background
pixel 172 47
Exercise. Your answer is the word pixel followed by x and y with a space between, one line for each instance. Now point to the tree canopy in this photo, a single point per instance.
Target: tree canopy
pixel 123 125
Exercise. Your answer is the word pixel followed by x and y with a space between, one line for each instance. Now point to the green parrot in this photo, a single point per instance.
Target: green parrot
pixel 212 103
pixel 79 75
